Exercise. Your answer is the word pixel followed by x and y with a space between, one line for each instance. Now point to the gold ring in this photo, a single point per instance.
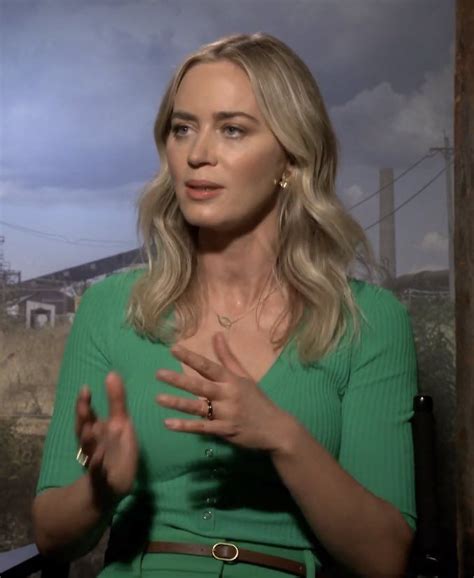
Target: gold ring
pixel 82 458
pixel 210 411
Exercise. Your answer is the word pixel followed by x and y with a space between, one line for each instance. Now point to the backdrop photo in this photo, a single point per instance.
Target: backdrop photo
pixel 80 88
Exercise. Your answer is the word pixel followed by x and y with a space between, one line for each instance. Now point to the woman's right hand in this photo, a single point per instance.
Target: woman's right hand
pixel 110 445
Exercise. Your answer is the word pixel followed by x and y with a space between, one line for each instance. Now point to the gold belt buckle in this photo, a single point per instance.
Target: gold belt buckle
pixel 222 558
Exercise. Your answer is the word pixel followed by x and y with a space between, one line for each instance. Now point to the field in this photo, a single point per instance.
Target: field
pixel 29 366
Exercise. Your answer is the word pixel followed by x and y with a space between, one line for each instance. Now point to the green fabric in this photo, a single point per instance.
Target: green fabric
pixel 357 402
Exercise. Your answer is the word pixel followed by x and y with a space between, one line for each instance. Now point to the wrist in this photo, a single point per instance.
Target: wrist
pixel 289 438
pixel 104 499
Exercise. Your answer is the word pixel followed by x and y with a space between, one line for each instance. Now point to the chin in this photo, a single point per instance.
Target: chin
pixel 229 227
pixel 221 218
pixel 202 216
pixel 208 222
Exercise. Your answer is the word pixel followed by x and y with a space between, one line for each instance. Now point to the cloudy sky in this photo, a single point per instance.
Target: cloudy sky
pixel 80 84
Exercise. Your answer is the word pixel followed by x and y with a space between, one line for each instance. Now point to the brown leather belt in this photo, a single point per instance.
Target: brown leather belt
pixel 229 553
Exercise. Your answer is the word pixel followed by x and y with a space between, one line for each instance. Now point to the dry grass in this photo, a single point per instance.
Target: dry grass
pixel 29 366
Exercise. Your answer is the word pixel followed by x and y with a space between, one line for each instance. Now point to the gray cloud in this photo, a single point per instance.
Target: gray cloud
pixel 82 81
pixel 435 243
pixel 380 126
pixel 16 193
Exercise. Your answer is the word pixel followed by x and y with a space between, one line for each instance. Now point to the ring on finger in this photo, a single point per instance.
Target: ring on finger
pixel 210 410
pixel 82 458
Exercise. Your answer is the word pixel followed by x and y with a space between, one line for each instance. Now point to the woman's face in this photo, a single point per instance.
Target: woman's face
pixel 219 137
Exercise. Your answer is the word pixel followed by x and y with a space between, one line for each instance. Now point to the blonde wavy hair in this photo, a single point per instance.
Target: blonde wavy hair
pixel 318 240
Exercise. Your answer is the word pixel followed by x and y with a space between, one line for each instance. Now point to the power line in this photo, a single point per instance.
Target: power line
pixel 83 241
pixel 425 186
pixel 410 168
pixel 88 242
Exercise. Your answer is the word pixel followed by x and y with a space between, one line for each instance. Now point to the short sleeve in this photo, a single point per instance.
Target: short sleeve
pixel 86 361
pixel 377 406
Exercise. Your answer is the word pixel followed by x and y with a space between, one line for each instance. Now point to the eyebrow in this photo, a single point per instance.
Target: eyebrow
pixel 221 115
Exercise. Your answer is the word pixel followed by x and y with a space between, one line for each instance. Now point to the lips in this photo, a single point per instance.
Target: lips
pixel 202 185
pixel 201 190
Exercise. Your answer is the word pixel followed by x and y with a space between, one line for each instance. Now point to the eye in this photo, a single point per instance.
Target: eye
pixel 233 131
pixel 179 129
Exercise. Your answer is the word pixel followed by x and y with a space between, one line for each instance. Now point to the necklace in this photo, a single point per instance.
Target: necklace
pixel 226 322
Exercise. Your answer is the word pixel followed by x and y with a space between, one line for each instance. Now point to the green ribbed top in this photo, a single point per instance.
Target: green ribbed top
pixel 357 402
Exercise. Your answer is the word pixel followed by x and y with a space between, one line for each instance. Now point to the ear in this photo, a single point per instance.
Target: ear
pixel 289 168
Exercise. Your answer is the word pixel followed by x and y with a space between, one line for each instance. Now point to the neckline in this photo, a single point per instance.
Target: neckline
pixel 178 366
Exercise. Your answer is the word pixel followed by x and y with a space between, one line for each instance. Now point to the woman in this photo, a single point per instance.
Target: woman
pixel 255 394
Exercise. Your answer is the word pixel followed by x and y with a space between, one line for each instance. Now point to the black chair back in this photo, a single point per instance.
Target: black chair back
pixel 426 551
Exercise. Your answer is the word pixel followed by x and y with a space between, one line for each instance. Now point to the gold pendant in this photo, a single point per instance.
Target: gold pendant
pixel 224 321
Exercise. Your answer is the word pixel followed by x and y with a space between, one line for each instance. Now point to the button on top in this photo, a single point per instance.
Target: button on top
pixel 209 452
pixel 211 501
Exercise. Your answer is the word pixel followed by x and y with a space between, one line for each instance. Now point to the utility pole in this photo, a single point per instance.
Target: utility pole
pixel 8 279
pixel 464 269
pixel 3 279
pixel 387 253
pixel 447 152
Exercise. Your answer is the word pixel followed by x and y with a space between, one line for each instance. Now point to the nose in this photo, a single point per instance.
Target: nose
pixel 202 150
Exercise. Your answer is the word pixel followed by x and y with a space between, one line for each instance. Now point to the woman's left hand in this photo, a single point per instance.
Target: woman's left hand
pixel 242 413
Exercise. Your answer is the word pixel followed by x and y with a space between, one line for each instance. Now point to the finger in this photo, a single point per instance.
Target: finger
pixel 204 366
pixel 197 426
pixel 84 394
pixel 92 439
pixel 198 386
pixel 116 395
pixel 87 440
pixel 96 462
pixel 84 411
pixel 226 356
pixel 191 406
pixel 98 430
